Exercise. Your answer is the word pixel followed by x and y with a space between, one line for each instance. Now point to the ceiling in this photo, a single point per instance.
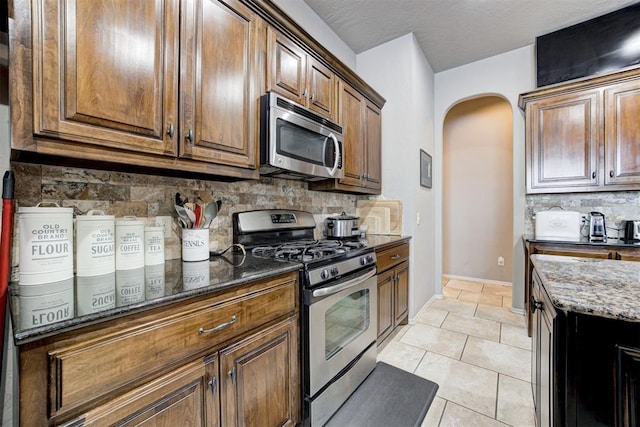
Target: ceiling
pixel 455 32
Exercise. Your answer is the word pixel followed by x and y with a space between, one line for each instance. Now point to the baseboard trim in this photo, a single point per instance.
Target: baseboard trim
pixel 475 279
pixel 412 320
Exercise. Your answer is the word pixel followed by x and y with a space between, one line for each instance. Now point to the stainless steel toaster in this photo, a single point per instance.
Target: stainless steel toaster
pixel 631 231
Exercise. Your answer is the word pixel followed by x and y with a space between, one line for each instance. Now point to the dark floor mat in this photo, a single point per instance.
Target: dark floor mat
pixel 388 397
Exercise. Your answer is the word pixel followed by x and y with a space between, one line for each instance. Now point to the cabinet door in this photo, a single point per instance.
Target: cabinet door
pixel 373 147
pixel 260 379
pixel 187 396
pixel 622 134
pixel 627 386
pixel 286 67
pixel 401 294
pixel 562 136
pixel 351 117
pixel 385 305
pixel 218 82
pixel 106 73
pixel 322 88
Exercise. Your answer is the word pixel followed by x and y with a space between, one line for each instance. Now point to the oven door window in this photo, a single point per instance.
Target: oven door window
pixel 298 143
pixel 347 319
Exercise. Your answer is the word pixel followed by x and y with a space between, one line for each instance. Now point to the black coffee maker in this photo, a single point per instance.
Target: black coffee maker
pixel 597 227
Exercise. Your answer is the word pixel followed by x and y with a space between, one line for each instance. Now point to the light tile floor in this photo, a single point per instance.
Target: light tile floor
pixel 478 352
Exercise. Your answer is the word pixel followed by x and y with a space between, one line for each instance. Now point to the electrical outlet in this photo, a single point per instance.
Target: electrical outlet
pixel 584 218
pixel 501 261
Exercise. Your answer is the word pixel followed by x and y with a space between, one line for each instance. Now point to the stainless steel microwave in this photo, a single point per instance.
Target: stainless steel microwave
pixel 297 143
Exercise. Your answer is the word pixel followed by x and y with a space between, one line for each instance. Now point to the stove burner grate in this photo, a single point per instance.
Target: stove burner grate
pixel 306 250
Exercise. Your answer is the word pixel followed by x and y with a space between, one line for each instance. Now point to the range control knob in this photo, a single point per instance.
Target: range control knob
pixel 363 260
pixel 370 259
pixel 324 274
pixel 334 271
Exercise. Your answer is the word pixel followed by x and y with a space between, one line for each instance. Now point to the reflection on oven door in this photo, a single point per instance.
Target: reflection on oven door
pixel 341 327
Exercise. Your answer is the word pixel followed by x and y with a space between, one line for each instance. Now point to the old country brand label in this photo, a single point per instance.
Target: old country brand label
pixel 45 244
pixel 95 244
pixel 130 244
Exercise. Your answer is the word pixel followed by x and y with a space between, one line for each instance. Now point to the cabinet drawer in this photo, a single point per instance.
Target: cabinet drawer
pixel 393 256
pixel 83 372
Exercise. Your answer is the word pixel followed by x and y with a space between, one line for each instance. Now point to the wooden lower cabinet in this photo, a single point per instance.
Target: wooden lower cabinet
pixel 226 359
pixel 585 368
pixel 543 358
pixel 393 288
pixel 581 250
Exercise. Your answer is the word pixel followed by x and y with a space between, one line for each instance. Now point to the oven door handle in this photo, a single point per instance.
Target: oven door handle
pixel 330 290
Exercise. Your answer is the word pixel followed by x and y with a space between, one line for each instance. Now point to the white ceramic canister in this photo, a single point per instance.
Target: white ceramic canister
pixel 129 243
pixel 129 286
pixel 95 293
pixel 42 305
pixel 195 274
pixel 45 244
pixel 154 281
pixel 195 244
pixel 95 244
pixel 153 245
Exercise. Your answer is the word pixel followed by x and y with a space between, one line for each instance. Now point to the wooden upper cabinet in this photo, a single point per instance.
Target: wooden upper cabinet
pixel 563 136
pixel 584 135
pixel 219 82
pixel 106 72
pixel 361 122
pixel 351 108
pixel 294 74
pixel 373 145
pixel 622 134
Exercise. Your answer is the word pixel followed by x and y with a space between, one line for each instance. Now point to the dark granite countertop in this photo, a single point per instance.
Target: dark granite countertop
pixel 611 242
pixel 179 284
pixel 598 287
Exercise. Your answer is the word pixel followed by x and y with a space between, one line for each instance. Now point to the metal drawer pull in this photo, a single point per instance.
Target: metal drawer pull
pixel 396 256
pixel 170 131
pixel 593 175
pixel 611 173
pixel 535 305
pixel 220 326
pixel 190 136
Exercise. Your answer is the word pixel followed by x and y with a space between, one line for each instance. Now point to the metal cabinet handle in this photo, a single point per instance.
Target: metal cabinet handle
pixel 313 97
pixel 593 175
pixel 535 305
pixel 232 375
pixel 396 256
pixel 190 136
pixel 611 173
pixel 170 131
pixel 304 93
pixel 212 385
pixel 219 327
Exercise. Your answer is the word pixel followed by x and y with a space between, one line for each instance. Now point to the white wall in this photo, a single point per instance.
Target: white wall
pixel 304 16
pixel 507 75
pixel 399 71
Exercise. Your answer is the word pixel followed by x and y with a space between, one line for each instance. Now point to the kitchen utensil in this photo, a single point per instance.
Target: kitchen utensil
pixel 183 217
pixel 342 226
pixel 196 213
pixel 211 211
pixel 597 227
pixel 190 214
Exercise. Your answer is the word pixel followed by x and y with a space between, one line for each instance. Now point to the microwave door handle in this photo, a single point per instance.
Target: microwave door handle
pixel 336 147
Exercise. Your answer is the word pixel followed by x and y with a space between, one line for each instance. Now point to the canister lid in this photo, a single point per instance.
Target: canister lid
pixel 56 209
pixel 46 288
pixel 129 220
pixel 153 228
pixel 343 215
pixel 95 215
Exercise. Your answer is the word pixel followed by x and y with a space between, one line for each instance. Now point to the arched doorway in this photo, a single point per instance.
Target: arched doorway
pixel 477 198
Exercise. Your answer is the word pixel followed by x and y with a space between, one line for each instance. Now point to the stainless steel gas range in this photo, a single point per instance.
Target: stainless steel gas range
pixel 338 303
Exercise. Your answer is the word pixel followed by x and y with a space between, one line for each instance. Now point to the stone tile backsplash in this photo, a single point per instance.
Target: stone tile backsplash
pixel 147 196
pixel 616 206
